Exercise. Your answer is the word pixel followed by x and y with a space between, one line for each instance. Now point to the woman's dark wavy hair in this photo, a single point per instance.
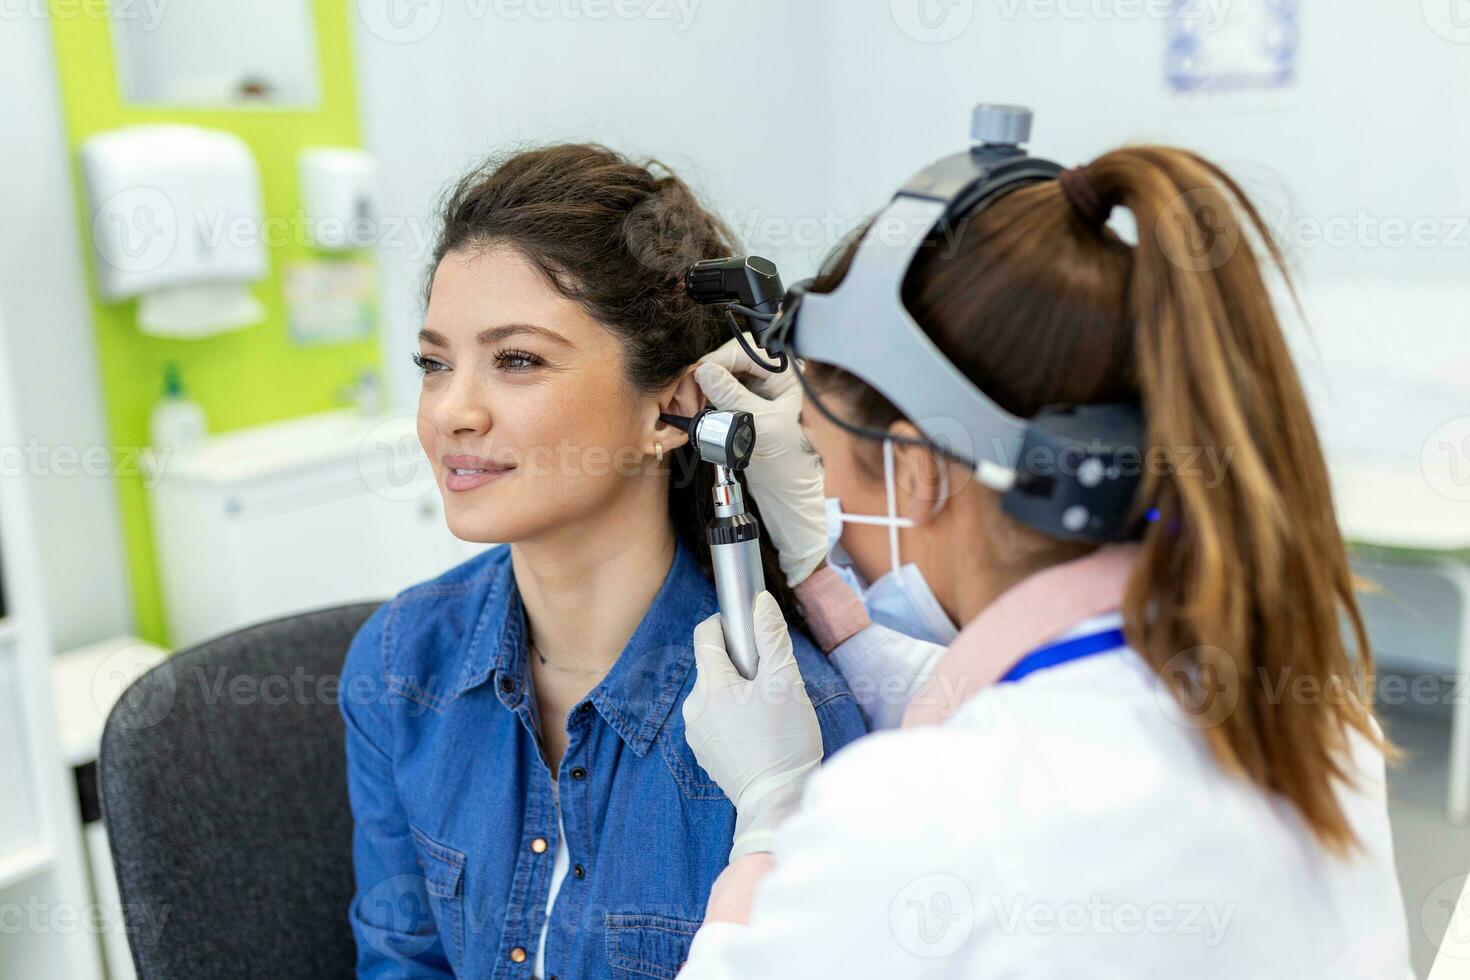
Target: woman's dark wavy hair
pixel 616 237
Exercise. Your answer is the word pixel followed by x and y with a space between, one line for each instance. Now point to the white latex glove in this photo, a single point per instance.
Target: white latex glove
pixel 759 739
pixel 784 474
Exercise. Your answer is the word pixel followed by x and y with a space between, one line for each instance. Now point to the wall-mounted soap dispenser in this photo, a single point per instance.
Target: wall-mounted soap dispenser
pixel 339 194
pixel 177 222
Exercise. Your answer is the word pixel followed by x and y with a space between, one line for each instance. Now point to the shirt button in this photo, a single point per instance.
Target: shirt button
pixel 579 871
pixel 579 773
pixel 507 685
pixel 539 845
pixel 518 955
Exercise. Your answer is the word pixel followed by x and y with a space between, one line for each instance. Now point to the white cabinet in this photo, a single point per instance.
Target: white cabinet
pixel 296 515
pixel 20 829
pixel 43 885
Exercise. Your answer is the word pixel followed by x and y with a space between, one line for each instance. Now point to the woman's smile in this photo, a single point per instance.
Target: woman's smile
pixel 464 473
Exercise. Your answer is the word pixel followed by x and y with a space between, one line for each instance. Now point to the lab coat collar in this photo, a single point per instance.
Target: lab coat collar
pixel 1036 611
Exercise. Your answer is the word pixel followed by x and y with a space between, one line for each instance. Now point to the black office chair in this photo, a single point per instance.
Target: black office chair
pixel 224 790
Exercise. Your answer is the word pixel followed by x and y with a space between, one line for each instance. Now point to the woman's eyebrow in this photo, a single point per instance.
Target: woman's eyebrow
pixel 494 335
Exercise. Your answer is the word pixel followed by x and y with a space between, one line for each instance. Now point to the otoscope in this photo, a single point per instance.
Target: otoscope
pixel 726 439
pixel 750 286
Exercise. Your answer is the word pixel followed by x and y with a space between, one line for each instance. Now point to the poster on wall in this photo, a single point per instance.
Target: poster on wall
pixel 1235 46
pixel 329 301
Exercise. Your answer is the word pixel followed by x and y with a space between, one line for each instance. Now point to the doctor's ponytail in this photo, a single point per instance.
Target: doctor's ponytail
pixel 1242 600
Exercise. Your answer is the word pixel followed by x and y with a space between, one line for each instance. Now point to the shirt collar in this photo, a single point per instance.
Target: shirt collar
pixel 636 695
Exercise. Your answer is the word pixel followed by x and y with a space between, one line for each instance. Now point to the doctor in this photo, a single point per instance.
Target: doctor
pixel 1147 752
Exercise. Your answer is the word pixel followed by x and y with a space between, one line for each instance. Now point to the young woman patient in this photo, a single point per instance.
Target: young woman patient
pixel 524 799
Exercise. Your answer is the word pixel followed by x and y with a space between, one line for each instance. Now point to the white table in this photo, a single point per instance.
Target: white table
pixel 1389 502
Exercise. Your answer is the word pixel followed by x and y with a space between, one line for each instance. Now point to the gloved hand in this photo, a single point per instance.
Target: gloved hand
pixel 785 475
pixel 759 739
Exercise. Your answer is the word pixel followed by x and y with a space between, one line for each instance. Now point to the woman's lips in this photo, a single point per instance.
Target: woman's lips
pixel 468 481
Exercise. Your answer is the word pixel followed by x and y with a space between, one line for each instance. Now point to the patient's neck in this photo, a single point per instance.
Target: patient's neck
pixel 586 587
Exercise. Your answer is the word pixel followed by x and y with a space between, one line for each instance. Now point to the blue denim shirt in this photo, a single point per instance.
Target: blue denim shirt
pixel 455 821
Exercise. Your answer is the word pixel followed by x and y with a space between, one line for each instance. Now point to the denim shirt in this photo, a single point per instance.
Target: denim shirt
pixel 455 819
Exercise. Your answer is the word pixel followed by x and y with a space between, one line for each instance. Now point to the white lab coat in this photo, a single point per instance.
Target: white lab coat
pixel 885 669
pixel 1063 826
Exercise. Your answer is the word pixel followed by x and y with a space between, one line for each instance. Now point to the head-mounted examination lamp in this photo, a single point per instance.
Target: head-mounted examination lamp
pixel 1071 472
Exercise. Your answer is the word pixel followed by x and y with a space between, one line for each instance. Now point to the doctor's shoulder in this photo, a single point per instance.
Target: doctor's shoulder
pixel 413 644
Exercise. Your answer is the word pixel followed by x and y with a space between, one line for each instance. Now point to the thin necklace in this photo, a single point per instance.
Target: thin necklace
pixel 565 670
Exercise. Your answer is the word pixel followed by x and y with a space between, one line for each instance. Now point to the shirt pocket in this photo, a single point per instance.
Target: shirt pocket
pixel 648 945
pixel 444 881
pixel 690 777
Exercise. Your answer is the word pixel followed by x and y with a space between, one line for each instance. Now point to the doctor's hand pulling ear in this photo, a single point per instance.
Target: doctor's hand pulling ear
pixel 1087 468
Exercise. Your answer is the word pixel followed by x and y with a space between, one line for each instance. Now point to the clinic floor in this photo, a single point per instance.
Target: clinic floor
pixel 1433 855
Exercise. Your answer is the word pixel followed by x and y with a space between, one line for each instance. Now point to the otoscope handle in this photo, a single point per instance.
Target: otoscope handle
pixel 738 580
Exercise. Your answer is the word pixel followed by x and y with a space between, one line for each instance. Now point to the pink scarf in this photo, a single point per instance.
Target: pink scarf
pixel 1028 615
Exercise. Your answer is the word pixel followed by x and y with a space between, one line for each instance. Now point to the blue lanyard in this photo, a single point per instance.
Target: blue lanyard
pixel 1065 651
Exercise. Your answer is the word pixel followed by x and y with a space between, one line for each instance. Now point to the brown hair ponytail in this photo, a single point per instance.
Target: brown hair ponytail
pixel 1243 588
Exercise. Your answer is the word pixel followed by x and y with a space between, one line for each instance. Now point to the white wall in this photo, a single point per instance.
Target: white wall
pixel 43 292
pixel 1373 132
pixel 844 105
pixel 715 98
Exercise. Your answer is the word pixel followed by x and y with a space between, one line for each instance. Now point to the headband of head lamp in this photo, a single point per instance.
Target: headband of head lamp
pixel 1071 471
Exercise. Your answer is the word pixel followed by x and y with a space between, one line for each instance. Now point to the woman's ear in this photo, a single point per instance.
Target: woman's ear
pixel 920 476
pixel 683 398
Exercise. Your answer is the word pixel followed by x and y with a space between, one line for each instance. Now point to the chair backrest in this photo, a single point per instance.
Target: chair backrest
pixel 224 790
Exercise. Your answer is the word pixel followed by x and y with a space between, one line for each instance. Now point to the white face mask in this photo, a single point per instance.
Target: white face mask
pixel 900 599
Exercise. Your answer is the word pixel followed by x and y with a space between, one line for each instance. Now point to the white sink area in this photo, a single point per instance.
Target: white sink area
pixel 295 515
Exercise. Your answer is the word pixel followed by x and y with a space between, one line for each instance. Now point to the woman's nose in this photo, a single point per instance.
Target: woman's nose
pixel 462 410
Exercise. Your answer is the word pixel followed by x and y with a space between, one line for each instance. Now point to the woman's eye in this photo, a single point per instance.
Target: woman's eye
pixel 516 360
pixel 428 365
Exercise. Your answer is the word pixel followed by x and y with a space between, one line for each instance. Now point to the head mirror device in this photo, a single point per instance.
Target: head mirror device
pixel 1071 472
pixel 726 440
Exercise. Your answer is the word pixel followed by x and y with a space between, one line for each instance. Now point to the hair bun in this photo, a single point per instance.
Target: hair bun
pixel 668 231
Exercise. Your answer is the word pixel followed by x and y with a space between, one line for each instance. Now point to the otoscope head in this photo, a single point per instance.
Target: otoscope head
pixel 723 438
pixel 748 280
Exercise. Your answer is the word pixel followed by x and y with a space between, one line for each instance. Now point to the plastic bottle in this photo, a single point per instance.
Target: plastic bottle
pixel 176 422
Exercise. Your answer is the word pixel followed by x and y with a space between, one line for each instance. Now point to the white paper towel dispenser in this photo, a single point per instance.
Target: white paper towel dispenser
pixel 339 194
pixel 177 222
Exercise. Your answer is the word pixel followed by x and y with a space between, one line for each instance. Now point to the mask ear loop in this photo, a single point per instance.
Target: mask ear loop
pixel 888 486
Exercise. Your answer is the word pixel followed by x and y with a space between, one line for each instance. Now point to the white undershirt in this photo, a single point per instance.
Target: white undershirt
pixel 562 862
